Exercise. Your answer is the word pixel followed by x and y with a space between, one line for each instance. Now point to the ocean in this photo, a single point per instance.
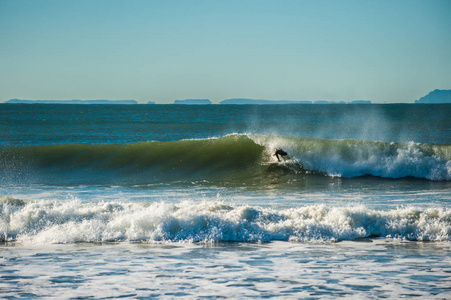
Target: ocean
pixel 184 201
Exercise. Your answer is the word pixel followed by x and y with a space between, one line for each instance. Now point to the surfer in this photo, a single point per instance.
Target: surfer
pixel 281 153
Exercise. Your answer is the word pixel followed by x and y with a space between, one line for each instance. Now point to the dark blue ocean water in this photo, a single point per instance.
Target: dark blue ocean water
pixel 182 201
pixel 122 124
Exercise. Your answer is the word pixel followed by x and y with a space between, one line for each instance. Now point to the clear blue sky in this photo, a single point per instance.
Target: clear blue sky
pixel 385 51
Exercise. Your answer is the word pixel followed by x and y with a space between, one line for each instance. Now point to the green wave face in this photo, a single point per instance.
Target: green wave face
pixel 140 162
pixel 233 158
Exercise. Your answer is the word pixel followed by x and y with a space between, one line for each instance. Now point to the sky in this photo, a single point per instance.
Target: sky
pixel 161 51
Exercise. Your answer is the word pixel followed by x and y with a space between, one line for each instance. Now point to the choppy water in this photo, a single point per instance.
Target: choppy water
pixel 369 269
pixel 180 201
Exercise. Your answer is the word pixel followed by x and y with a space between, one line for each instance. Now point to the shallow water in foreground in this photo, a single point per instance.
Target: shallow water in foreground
pixel 368 268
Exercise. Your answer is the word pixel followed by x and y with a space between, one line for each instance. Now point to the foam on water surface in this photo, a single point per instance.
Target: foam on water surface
pixel 371 268
pixel 47 222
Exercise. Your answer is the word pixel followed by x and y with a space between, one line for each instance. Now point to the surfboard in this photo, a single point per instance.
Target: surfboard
pixel 278 163
pixel 273 163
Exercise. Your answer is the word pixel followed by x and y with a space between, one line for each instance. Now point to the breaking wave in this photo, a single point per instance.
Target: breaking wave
pixel 49 222
pixel 232 156
pixel 354 158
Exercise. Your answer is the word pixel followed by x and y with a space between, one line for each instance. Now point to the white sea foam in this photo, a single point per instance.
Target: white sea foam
pixel 47 222
pixel 408 161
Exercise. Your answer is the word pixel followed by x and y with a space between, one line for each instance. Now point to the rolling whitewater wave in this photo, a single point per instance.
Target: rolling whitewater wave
pixel 50 222
pixel 235 156
pixel 354 158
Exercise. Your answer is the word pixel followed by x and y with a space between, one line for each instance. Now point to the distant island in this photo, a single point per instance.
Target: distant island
pixel 193 102
pixel 436 96
pixel 245 101
pixel 233 101
pixel 361 102
pixel 20 101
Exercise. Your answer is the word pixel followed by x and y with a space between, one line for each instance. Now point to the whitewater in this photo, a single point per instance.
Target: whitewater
pixel 50 222
pixel 172 201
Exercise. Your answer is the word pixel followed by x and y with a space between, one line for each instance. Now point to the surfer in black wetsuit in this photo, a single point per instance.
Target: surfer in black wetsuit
pixel 281 153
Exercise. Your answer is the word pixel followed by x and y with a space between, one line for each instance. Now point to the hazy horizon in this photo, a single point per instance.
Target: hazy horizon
pixel 384 51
